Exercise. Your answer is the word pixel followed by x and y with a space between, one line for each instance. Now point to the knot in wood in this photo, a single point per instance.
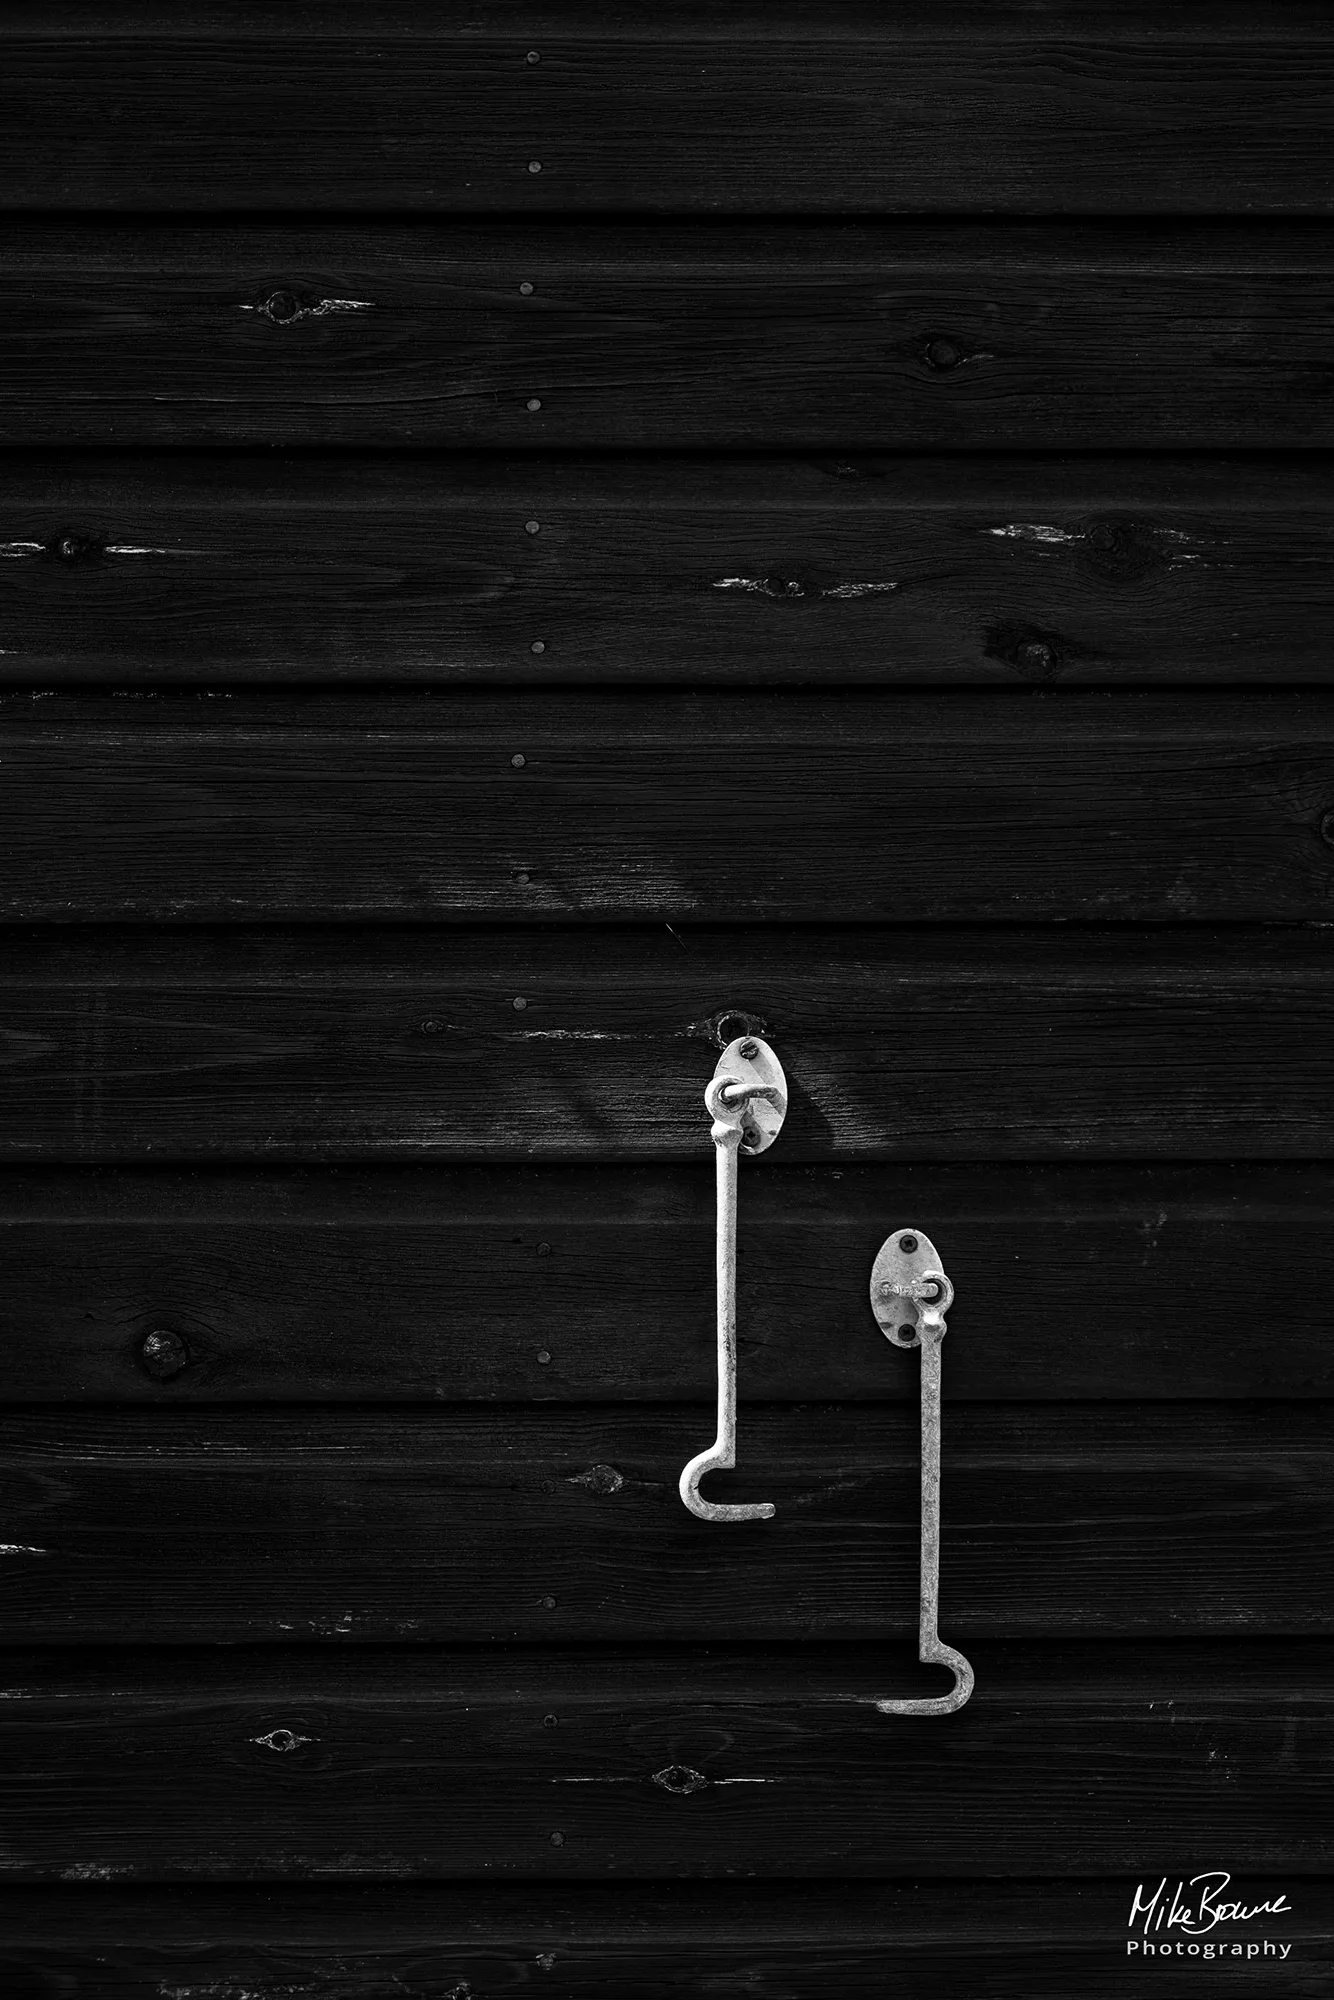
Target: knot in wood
pixel 1122 548
pixel 1037 655
pixel 943 354
pixel 281 1740
pixel 281 306
pixel 724 1026
pixel 163 1354
pixel 599 1479
pixel 72 549
pixel 680 1779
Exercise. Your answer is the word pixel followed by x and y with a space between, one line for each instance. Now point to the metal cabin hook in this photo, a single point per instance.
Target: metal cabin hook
pixel 747 1101
pixel 910 1296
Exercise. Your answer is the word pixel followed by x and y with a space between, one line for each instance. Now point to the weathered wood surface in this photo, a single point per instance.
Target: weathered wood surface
pixel 906 109
pixel 1037 1940
pixel 408 1046
pixel 459 1524
pixel 204 569
pixel 180 1766
pixel 564 1285
pixel 840 336
pixel 620 806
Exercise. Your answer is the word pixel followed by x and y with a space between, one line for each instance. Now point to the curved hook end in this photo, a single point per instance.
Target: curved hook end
pixel 944 1704
pixel 713 1510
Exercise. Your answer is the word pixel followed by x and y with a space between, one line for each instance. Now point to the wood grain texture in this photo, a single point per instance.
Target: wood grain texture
pixel 438 1765
pixel 609 806
pixel 913 110
pixel 401 1047
pixel 839 336
pixel 459 1524
pixel 209 569
pixel 560 1285
pixel 1037 1940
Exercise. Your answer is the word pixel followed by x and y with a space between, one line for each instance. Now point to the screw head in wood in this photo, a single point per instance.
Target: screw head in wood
pixel 525 290
pixel 532 527
pixel 1327 829
pixel 533 403
pixel 518 760
pixel 534 166
pixel 943 354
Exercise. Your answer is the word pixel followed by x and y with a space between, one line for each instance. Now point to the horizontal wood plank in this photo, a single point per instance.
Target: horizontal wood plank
pixel 986 806
pixel 399 1047
pixel 1036 1940
pixel 701 1764
pixel 842 336
pixel 911 110
pixel 565 1284
pixel 457 1524
pixel 214 569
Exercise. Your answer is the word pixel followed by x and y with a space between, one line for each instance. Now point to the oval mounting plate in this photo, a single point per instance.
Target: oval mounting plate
pixel 905 1256
pixel 751 1063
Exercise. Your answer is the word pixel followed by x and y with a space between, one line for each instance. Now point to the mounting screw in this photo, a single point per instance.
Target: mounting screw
pixel 525 290
pixel 908 1244
pixel 1036 656
pixel 164 1354
pixel 887 1290
pixel 943 354
pixel 532 56
pixel 532 527
pixel 518 761
pixel 534 166
pixel 538 646
pixel 1327 829
pixel 749 1049
pixel 543 1356
pixel 518 1003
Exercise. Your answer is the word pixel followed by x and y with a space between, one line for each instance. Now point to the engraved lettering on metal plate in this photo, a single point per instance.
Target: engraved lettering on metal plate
pixel 747 1101
pixel 910 1296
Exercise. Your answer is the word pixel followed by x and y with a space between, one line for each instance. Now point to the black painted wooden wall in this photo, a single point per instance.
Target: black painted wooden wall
pixel 534 538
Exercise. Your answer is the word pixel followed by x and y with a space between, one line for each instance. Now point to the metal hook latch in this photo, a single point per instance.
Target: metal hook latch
pixel 747 1101
pixel 910 1296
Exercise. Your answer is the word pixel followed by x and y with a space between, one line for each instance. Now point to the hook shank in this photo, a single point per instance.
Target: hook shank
pixel 747 1100
pixel 908 1279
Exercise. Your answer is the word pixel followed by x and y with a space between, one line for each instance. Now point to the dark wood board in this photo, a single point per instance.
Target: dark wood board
pixel 911 110
pixel 454 1524
pixel 161 1767
pixel 408 1047
pixel 589 1284
pixel 217 568
pixel 611 806
pixel 839 336
pixel 1033 1940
